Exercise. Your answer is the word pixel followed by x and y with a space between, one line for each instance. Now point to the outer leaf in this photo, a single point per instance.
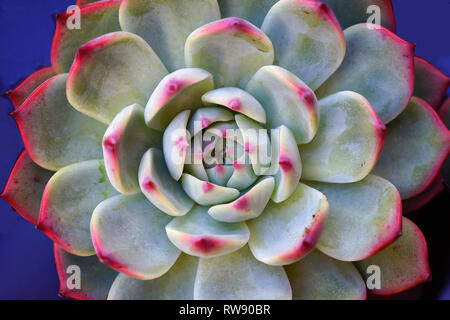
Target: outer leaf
pixel 112 72
pixel 430 83
pixel 24 90
pixel 379 65
pixel 417 144
pixel 307 39
pixel 128 235
pixel 199 235
pixel 68 202
pixel 239 276
pixel 248 206
pixel 251 10
pixel 165 25
pixel 417 202
pixel 96 19
pixel 348 143
pixel 176 284
pixel 350 12
pixel 232 49
pixel 287 101
pixel 364 218
pixel 25 186
pixel 159 187
pixel 206 193
pixel 287 232
pixel 124 143
pixel 403 264
pixel 96 278
pixel 444 114
pixel 178 91
pixel 319 277
pixel 55 134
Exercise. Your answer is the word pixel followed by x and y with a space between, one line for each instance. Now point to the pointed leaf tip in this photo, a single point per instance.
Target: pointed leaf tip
pixel 200 235
pixel 111 72
pixel 55 135
pixel 25 187
pixel 96 19
pixel 307 39
pixel 417 143
pixel 242 48
pixel 379 65
pixel 403 264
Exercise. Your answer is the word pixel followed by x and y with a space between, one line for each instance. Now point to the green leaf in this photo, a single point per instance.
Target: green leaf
pixel 319 277
pixel 288 231
pixel 220 174
pixel 112 72
pixel 307 38
pixel 348 142
pixel 232 49
pixel 417 144
pixel 236 100
pixel 256 144
pixel 288 162
pixel 364 218
pixel 96 278
pixel 200 235
pixel 176 284
pixel 251 10
pixel 55 135
pixel 124 143
pixel 206 193
pixel 204 117
pixel 178 91
pixel 95 20
pixel 176 144
pixel 25 187
pixel 128 235
pixel 165 25
pixel 351 12
pixel 287 101
pixel 159 187
pixel 239 276
pixel 378 65
pixel 402 265
pixel 430 84
pixel 248 206
pixel 26 88
pixel 69 199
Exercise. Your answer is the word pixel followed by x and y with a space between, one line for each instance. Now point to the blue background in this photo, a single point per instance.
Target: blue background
pixel 26 30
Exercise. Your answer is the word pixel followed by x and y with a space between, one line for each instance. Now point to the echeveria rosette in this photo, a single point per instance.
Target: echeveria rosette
pixel 108 171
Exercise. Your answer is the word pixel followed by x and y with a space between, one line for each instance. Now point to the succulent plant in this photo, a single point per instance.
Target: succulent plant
pixel 142 165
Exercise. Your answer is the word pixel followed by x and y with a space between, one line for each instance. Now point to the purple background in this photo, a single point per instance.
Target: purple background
pixel 26 31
